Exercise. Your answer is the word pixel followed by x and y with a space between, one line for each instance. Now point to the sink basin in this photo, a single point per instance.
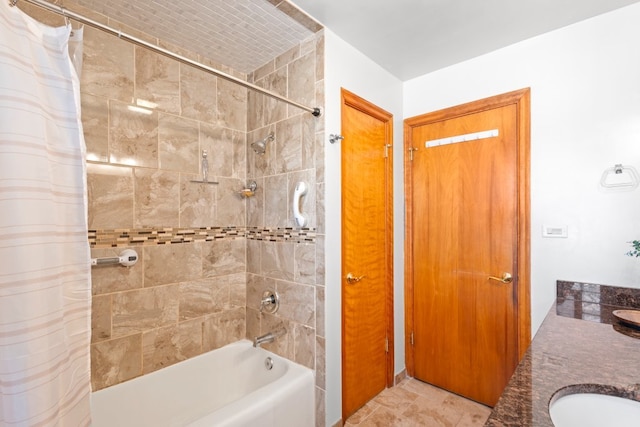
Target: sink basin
pixel 594 410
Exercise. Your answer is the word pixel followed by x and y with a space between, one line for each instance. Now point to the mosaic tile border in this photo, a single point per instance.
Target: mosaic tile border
pixel 167 236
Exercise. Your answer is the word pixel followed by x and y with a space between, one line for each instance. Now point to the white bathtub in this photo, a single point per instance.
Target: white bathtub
pixel 226 387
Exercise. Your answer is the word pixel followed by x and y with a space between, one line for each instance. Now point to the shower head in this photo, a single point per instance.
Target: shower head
pixel 260 146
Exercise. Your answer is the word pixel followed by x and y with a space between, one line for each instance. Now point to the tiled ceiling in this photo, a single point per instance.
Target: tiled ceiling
pixel 241 34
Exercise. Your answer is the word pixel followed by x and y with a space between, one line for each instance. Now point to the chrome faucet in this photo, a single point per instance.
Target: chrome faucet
pixel 268 337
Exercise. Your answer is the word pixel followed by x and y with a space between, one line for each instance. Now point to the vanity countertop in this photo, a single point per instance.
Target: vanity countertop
pixel 579 343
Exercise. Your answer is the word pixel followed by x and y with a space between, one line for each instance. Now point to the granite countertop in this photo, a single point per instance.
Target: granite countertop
pixel 579 347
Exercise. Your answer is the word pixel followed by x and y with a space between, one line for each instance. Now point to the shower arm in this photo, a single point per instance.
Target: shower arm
pixel 315 111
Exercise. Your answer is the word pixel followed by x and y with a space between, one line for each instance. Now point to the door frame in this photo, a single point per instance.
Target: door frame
pixel 351 100
pixel 521 99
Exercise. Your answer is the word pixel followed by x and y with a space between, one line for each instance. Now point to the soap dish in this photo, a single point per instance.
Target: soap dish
pixel 249 190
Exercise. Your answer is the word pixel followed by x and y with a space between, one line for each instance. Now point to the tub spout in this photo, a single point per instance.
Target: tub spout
pixel 268 337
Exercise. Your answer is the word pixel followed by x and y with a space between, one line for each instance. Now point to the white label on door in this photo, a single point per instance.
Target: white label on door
pixel 462 138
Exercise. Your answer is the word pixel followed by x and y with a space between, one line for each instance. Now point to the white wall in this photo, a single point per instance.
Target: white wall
pixel 350 69
pixel 585 117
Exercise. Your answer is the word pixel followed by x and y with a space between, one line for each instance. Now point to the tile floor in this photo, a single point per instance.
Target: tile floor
pixel 413 403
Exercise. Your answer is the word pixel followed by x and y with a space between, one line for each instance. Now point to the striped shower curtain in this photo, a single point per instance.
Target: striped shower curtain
pixel 44 255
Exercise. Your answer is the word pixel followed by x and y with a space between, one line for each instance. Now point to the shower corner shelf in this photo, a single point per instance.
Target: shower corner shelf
pixel 204 182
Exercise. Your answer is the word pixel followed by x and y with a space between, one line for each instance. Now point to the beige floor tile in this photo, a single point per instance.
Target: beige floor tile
pixel 413 403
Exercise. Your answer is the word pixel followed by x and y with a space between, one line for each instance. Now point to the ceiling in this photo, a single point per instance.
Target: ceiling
pixel 410 38
pixel 240 34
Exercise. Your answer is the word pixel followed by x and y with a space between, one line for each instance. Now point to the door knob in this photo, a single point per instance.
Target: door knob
pixel 506 278
pixel 351 279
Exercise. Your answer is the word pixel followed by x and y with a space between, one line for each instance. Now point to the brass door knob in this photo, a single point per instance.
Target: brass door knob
pixel 506 278
pixel 351 279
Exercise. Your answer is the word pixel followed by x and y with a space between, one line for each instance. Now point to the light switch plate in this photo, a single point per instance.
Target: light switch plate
pixel 555 231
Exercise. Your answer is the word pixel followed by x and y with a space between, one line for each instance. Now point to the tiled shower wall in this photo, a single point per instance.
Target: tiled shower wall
pixel 294 270
pixel 206 254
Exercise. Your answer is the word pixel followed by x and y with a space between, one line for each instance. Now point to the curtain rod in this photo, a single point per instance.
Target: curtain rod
pixel 84 20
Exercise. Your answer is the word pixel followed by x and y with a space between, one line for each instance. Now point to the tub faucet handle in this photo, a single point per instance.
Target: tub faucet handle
pixel 270 302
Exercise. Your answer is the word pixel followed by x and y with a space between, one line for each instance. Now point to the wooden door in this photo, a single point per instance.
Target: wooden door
pixel 367 240
pixel 469 245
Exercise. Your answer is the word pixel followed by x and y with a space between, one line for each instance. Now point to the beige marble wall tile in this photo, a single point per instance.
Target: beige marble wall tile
pixel 165 264
pixel 133 136
pixel 223 328
pixel 232 105
pixel 141 310
pixel 305 263
pixel 319 151
pixel 289 145
pixel 201 297
pixel 255 110
pixel 259 165
pixel 223 257
pixel 308 155
pixel 304 346
pixel 226 150
pixel 320 316
pixel 115 361
pixel 157 80
pixel 156 198
pixel 231 207
pixel 255 286
pixel 274 109
pixel 197 202
pixel 253 324
pixel 255 205
pixel 277 260
pixel 198 94
pixel 320 207
pixel 107 68
pixel 95 125
pixel 165 346
pixel 308 202
pixel 321 364
pixel 263 71
pixel 100 318
pixel 320 55
pixel 110 196
pixel 254 256
pixel 178 144
pixel 288 57
pixel 237 289
pixel 320 101
pixel 308 45
pixel 276 203
pixel 320 252
pixel 42 15
pixel 108 278
pixel 297 302
pixel 284 345
pixel 321 415
pixel 302 79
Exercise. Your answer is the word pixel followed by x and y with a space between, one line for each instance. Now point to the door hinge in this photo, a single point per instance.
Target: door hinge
pixel 386 150
pixel 411 150
pixel 386 345
pixel 411 338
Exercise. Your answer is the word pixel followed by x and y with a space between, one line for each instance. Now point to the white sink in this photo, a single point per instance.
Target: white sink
pixel 594 410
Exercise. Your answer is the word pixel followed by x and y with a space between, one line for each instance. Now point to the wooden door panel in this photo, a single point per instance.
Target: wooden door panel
pixel 464 230
pixel 366 247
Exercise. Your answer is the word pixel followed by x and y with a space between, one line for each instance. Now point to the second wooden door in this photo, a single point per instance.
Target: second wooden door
pixel 464 250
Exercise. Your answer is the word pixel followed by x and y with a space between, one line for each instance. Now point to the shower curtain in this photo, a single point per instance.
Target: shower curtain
pixel 44 254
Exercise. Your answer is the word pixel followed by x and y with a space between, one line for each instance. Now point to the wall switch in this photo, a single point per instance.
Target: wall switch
pixel 555 231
